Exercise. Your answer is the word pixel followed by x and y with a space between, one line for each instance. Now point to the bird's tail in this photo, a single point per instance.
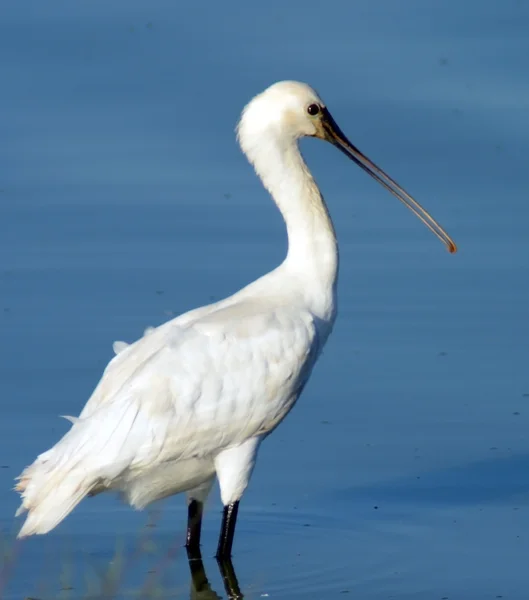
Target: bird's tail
pixel 60 478
pixel 58 493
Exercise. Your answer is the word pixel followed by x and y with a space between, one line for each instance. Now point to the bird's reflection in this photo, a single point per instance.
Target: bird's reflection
pixel 200 586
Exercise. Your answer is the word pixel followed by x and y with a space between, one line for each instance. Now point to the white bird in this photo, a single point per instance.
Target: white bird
pixel 194 398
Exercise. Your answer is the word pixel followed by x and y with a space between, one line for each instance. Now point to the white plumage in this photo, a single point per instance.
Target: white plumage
pixel 195 397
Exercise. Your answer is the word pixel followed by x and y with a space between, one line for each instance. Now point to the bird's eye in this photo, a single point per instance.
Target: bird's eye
pixel 313 109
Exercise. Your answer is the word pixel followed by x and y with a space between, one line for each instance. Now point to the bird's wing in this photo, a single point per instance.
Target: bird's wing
pixel 187 390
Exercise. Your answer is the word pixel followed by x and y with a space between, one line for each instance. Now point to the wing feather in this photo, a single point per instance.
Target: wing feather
pixel 208 384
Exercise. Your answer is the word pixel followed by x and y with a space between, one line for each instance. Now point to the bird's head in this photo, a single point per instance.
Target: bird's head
pixel 289 110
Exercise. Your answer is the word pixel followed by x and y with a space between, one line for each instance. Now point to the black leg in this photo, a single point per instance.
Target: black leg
pixel 194 526
pixel 229 519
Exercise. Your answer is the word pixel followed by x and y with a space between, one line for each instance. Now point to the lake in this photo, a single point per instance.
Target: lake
pixel 403 472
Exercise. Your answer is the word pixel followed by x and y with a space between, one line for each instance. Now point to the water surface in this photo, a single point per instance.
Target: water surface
pixel 403 471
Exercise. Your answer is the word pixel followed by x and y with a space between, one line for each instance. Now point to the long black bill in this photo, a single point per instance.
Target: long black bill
pixel 336 136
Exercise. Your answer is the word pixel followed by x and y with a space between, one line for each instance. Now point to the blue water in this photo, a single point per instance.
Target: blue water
pixel 403 473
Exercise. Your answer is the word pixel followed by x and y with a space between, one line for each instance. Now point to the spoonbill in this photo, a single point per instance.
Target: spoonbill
pixel 194 398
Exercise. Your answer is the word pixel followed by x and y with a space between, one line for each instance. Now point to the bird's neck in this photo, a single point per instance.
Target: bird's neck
pixel 312 246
